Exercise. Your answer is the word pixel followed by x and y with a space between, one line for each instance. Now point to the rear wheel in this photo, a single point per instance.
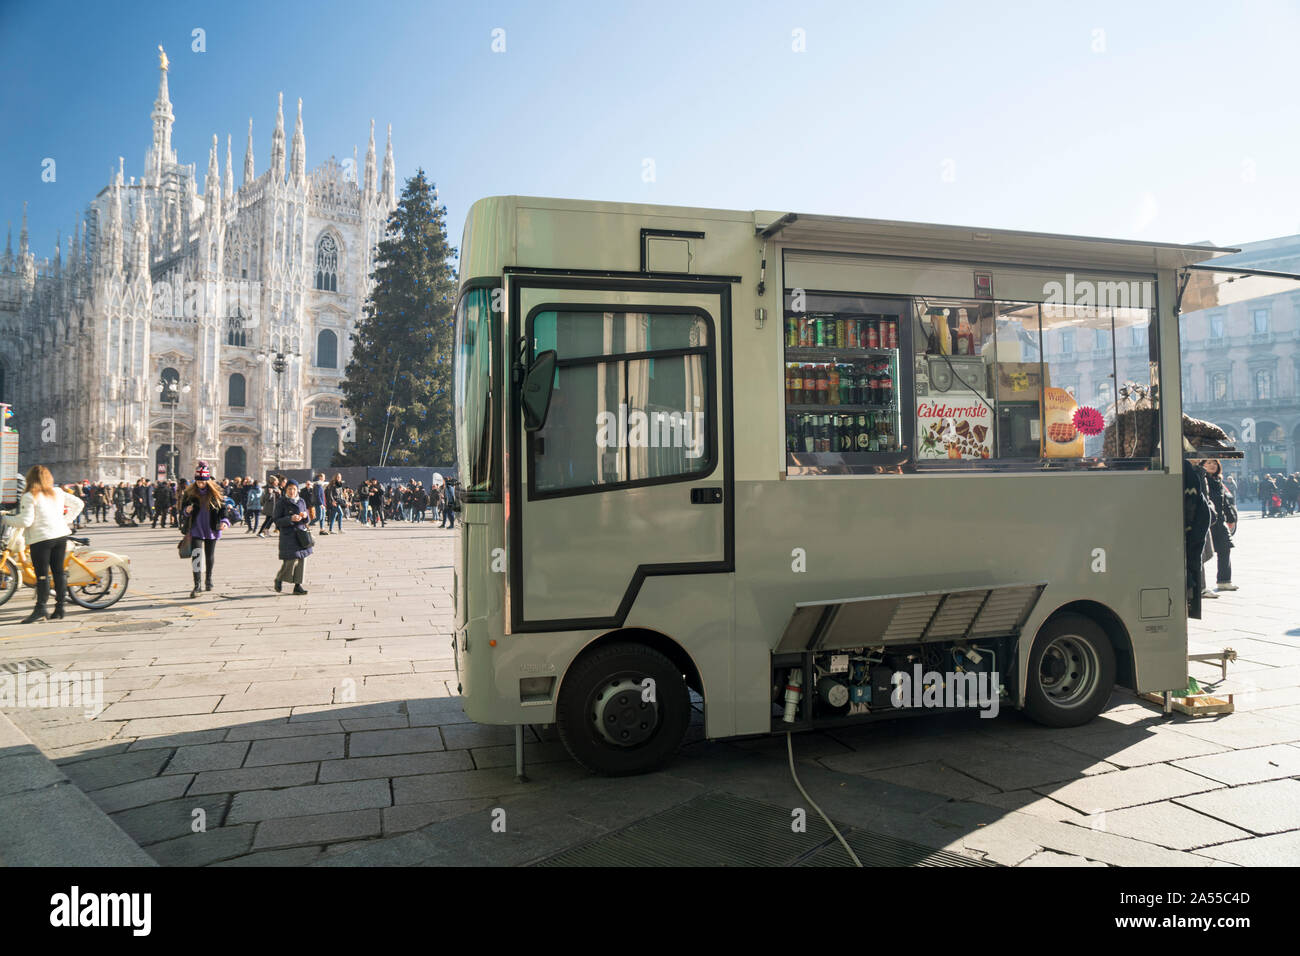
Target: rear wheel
pixel 1071 672
pixel 623 709
pixel 9 577
pixel 103 592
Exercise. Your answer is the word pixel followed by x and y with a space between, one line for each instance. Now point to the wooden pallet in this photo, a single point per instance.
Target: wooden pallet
pixel 1197 705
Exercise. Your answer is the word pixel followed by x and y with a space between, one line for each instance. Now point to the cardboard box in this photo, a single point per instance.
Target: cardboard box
pixel 1019 381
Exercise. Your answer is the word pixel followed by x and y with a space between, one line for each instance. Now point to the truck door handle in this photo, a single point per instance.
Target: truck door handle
pixel 706 496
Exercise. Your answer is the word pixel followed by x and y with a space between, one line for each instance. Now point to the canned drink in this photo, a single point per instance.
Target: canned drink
pixel 820 325
pixel 852 330
pixel 792 331
pixel 893 333
pixel 842 332
pixel 873 334
pixel 830 331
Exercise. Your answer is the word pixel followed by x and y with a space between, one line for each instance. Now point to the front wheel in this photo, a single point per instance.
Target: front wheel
pixel 1071 672
pixel 9 578
pixel 623 709
pixel 105 591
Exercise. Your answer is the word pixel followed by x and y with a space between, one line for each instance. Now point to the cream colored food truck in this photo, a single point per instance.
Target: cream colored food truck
pixel 781 465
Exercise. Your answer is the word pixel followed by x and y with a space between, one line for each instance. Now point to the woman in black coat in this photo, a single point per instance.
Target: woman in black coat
pixel 292 518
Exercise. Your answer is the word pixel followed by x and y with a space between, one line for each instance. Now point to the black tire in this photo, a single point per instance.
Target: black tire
pixel 9 578
pixel 1071 672
pixel 608 682
pixel 96 597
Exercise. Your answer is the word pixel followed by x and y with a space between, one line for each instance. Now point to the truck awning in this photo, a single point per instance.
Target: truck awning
pixel 902 238
pixel 951 615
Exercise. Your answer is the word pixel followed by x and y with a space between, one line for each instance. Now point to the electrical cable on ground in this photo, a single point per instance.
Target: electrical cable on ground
pixel 789 748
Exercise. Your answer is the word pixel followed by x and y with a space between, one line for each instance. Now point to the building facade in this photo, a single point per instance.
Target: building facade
pixel 1241 362
pixel 187 325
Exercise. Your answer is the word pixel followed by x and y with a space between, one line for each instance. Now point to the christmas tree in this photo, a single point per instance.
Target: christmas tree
pixel 399 381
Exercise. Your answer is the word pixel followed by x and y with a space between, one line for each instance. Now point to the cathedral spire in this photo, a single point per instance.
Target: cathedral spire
pixel 140 254
pixel 161 152
pixel 248 155
pixel 112 244
pixel 277 144
pixel 389 183
pixel 74 261
pixel 370 163
pixel 212 185
pixel 58 253
pixel 230 172
pixel 22 235
pixel 299 163
pixel 9 245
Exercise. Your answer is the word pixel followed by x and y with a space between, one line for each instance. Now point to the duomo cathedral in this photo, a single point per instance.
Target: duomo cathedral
pixel 221 318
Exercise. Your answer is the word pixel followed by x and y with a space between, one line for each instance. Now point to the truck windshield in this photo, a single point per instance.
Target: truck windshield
pixel 477 397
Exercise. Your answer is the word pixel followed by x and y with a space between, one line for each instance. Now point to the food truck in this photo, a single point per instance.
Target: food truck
pixel 803 471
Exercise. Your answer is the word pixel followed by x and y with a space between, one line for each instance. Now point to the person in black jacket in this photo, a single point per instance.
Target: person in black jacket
pixel 1198 514
pixel 293 519
pixel 1225 520
pixel 162 503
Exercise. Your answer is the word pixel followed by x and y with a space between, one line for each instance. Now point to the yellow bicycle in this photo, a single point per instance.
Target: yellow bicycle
pixel 96 579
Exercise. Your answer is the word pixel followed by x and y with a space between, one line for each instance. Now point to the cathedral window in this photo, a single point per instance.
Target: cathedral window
pixel 235 334
pixel 327 264
pixel 237 390
pixel 327 349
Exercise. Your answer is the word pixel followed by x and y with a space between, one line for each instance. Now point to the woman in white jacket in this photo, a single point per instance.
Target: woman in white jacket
pixel 44 512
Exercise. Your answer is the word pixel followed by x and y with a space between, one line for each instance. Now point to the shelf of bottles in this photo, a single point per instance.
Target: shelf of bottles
pixel 841 383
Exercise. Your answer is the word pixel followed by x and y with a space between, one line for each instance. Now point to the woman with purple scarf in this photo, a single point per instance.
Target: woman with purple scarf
pixel 204 516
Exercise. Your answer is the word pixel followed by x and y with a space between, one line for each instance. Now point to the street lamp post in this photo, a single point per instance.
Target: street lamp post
pixel 172 387
pixel 279 364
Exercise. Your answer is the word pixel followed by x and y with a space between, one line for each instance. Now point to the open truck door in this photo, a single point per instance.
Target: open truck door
pixel 1212 287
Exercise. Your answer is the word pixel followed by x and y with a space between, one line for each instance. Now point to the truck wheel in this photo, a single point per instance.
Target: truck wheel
pixel 609 719
pixel 1071 672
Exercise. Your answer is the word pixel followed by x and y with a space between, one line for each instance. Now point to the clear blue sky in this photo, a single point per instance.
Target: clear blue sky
pixel 1178 121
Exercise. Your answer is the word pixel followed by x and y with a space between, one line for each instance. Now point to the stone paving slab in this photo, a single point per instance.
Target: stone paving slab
pixel 1262 808
pixel 1165 824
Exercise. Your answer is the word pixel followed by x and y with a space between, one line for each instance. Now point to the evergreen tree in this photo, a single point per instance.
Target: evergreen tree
pixel 398 385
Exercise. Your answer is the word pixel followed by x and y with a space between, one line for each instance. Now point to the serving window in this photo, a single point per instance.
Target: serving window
pixel 968 384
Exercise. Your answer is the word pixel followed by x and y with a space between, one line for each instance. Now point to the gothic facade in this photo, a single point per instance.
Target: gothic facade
pixel 187 325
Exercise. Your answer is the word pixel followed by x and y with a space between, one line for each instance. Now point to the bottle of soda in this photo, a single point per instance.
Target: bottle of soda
pixel 807 434
pixel 833 385
pixel 886 387
pixel 823 385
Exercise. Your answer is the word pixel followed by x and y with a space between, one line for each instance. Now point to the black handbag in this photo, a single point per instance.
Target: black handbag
pixel 305 539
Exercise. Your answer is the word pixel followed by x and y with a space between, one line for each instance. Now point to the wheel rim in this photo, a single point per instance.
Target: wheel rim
pixel 109 588
pixel 1069 670
pixel 620 716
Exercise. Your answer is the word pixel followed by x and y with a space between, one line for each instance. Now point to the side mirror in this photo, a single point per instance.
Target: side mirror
pixel 538 382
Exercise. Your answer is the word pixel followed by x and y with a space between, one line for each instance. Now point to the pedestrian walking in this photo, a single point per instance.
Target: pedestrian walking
pixel 293 517
pixel 334 503
pixel 448 506
pixel 204 515
pixel 316 501
pixel 270 498
pixel 43 511
pixel 253 511
pixel 376 504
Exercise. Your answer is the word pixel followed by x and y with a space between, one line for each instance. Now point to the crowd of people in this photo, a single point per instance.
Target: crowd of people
pixel 1278 495
pixel 333 502
pixel 203 508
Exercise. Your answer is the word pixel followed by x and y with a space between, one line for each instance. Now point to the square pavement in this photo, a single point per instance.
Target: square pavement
pixel 326 730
